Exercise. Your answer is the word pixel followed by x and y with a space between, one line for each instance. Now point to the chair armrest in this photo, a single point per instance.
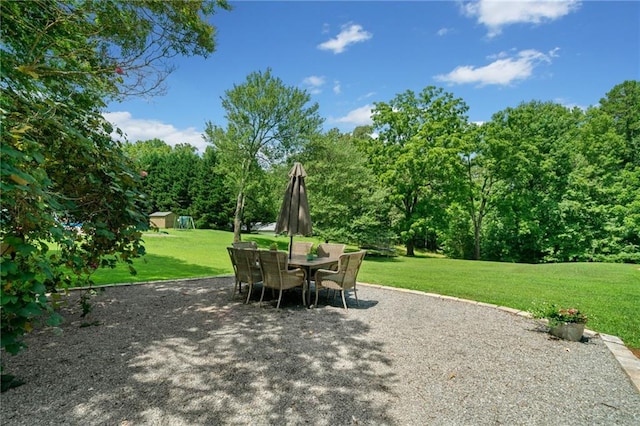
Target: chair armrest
pixel 323 273
pixel 297 272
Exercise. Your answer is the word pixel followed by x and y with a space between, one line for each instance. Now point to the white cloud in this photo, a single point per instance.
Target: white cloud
pixel 443 31
pixel 366 96
pixel 503 71
pixel 337 89
pixel 314 84
pixel 137 129
pixel 350 34
pixel 497 14
pixel 568 104
pixel 357 117
pixel 314 80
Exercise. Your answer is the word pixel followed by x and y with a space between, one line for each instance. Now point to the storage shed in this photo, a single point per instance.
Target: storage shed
pixel 163 220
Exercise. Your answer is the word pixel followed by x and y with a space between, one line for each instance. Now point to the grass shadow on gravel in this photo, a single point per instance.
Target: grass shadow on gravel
pixel 187 354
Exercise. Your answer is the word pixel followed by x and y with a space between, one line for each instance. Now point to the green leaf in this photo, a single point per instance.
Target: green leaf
pixel 55 319
pixel 30 310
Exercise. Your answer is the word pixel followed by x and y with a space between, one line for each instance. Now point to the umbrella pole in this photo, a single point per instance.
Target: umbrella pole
pixel 290 244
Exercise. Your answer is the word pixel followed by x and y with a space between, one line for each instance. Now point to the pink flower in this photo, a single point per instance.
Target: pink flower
pixel 143 173
pixel 119 70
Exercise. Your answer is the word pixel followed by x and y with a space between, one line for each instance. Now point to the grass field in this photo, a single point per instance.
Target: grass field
pixel 608 293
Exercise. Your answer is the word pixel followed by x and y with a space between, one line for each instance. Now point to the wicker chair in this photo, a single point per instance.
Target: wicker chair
pixel 245 244
pixel 234 263
pixel 330 250
pixel 247 269
pixel 301 248
pixel 276 274
pixel 342 279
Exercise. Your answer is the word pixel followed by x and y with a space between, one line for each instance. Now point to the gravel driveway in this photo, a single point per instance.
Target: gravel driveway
pixel 186 353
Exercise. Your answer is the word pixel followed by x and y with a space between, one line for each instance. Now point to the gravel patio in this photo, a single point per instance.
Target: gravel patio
pixel 187 353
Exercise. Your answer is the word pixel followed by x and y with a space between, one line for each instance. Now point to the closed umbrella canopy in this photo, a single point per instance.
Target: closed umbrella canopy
pixel 294 217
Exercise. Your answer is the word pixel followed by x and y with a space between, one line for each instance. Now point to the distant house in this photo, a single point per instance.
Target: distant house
pixel 265 227
pixel 163 220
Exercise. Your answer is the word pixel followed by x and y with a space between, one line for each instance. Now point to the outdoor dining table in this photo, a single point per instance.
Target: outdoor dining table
pixel 310 265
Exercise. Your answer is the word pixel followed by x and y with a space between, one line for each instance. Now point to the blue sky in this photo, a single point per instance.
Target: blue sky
pixel 350 54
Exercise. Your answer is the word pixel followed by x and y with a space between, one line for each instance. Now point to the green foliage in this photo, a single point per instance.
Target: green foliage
pixel 531 150
pixel 347 205
pixel 212 199
pixel 621 104
pixel 557 315
pixel 416 157
pixel 170 175
pixel 63 179
pixel 567 182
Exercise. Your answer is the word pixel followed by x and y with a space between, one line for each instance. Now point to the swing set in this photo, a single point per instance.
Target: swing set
pixel 184 222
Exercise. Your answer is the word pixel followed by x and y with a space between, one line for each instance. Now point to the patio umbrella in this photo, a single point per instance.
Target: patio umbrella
pixel 294 218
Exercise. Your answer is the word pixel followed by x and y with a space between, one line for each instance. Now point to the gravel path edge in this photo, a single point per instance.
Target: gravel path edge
pixel 627 360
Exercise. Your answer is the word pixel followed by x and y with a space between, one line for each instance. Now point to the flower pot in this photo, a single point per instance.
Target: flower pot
pixel 571 331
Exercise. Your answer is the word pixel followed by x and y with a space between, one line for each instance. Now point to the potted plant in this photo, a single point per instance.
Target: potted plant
pixel 565 323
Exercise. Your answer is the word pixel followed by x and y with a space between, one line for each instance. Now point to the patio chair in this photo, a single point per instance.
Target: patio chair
pixel 276 274
pixel 330 250
pixel 245 244
pixel 344 278
pixel 234 263
pixel 248 269
pixel 301 248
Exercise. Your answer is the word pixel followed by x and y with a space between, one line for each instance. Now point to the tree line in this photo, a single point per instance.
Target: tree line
pixel 539 182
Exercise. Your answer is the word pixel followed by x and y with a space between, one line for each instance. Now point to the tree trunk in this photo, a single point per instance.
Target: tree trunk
pixel 237 219
pixel 476 236
pixel 410 251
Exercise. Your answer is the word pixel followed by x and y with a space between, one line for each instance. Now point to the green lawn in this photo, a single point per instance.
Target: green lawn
pixel 608 293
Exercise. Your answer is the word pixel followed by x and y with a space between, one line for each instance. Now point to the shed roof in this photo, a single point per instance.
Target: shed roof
pixel 160 214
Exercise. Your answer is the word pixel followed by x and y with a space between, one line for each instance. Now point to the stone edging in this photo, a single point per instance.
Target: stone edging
pixel 629 363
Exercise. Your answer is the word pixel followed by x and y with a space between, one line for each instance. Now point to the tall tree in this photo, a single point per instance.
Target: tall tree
pixel 212 199
pixel 266 121
pixel 140 149
pixel 415 155
pixel 60 62
pixel 621 103
pixel 532 149
pixel 474 194
pixel 347 204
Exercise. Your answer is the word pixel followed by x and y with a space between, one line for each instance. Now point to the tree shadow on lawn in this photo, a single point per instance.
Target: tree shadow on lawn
pixel 265 243
pixel 187 353
pixel 154 268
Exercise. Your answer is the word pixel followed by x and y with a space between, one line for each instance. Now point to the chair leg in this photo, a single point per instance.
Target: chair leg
pixel 344 302
pixel 316 302
pixel 261 296
pixel 249 293
pixel 355 293
pixel 279 297
pixel 331 294
pixel 304 294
